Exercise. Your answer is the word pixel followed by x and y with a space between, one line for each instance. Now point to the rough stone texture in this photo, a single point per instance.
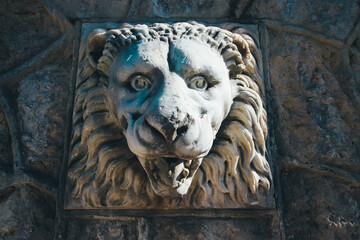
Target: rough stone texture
pixel 353 85
pixel 42 103
pixel 335 18
pixel 355 57
pixel 321 212
pixel 317 138
pixel 177 228
pixel 315 121
pixel 181 228
pixel 94 9
pixel 146 9
pixel 184 9
pixel 22 41
pixel 5 144
pixel 26 213
pixel 102 229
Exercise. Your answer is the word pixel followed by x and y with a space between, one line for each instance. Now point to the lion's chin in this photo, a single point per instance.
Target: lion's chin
pixel 170 177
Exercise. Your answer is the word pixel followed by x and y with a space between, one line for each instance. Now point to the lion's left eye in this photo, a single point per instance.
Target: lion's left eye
pixel 198 83
pixel 140 82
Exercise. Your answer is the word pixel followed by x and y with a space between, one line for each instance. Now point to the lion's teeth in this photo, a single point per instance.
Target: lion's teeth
pixel 187 163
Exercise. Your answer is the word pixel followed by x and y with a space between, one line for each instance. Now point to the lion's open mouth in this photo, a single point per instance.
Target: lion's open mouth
pixel 170 176
pixel 179 170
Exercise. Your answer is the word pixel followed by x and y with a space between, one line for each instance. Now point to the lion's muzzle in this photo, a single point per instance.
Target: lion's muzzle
pixel 168 112
pixel 169 127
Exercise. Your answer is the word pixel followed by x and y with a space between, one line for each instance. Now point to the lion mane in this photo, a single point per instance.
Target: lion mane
pixel 103 172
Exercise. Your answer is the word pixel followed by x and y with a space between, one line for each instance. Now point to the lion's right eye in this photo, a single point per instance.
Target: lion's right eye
pixel 140 82
pixel 198 82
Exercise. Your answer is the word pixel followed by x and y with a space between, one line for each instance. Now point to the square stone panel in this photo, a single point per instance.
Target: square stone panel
pixel 149 100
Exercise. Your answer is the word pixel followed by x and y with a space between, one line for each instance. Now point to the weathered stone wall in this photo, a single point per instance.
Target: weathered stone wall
pixel 311 52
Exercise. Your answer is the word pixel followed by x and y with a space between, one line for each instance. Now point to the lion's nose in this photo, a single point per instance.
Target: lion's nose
pixel 169 130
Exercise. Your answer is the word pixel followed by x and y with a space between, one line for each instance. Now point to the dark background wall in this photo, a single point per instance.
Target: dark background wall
pixel 311 51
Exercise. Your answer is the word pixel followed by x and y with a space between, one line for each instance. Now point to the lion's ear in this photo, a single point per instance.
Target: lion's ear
pixel 95 47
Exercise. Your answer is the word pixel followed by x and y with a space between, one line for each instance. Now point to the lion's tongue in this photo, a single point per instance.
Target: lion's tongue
pixel 174 170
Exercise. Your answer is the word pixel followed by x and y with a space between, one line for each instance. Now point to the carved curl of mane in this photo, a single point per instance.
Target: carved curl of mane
pixel 104 172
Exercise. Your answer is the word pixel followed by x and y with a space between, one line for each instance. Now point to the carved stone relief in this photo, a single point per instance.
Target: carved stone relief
pixel 169 116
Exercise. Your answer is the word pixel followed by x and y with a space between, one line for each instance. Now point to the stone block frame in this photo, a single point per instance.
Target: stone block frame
pixel 109 171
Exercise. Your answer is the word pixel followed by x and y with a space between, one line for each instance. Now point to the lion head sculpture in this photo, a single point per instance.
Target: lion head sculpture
pixel 169 116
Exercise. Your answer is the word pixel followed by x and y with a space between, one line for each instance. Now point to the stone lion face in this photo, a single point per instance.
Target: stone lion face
pixel 172 97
